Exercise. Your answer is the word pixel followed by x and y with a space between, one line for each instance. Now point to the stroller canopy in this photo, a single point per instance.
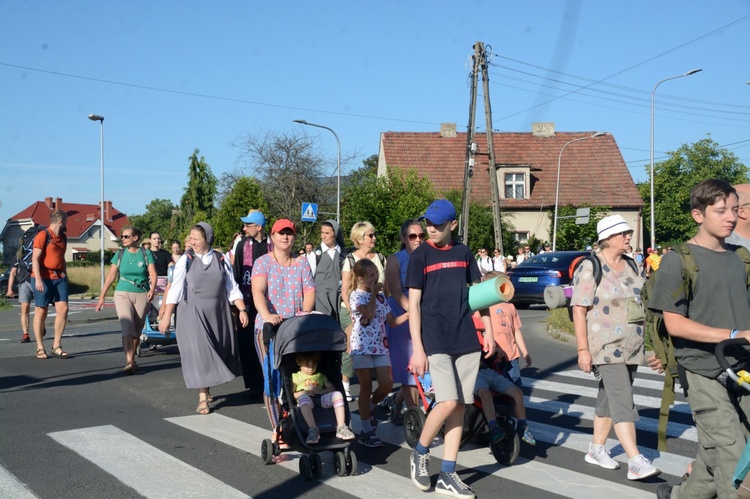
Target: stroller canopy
pixel 308 333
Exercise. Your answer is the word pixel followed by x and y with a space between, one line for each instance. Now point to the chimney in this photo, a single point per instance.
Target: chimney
pixel 48 202
pixel 543 129
pixel 58 203
pixel 447 130
pixel 108 211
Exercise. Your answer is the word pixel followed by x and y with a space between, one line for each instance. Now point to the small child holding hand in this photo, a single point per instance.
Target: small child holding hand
pixel 310 383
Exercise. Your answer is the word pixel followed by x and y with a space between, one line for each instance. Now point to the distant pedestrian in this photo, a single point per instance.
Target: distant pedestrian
pixel 25 297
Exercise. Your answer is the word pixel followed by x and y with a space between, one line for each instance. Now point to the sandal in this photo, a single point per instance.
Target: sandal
pixel 41 354
pixel 58 352
pixel 203 407
pixel 130 368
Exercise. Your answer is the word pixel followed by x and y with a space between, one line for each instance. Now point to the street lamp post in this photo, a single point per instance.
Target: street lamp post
pixel 653 223
pixel 100 119
pixel 557 189
pixel 338 166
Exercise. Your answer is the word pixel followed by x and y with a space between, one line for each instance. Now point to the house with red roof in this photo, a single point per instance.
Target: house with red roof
pixel 592 172
pixel 83 228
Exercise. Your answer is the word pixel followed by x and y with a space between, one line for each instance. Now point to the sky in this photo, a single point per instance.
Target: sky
pixel 173 76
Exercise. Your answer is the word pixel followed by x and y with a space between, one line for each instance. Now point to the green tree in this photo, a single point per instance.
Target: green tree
pixel 385 201
pixel 197 203
pixel 482 226
pixel 676 176
pixel 245 195
pixel 571 236
pixel 158 217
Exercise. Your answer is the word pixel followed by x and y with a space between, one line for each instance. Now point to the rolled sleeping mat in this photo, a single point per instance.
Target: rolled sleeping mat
pixel 489 293
pixel 557 296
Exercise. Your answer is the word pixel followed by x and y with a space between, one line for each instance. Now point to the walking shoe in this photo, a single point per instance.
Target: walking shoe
pixel 450 485
pixel 344 433
pixel 25 338
pixel 313 436
pixel 639 468
pixel 599 456
pixel 526 435
pixel 348 396
pixel 496 434
pixel 369 439
pixel 420 469
pixel 664 491
pixel 389 401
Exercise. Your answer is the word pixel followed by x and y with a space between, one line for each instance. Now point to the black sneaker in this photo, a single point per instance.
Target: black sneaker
pixel 420 470
pixel 26 339
pixel 450 485
pixel 664 491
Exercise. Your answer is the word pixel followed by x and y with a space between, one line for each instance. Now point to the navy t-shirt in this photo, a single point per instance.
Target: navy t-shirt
pixel 443 274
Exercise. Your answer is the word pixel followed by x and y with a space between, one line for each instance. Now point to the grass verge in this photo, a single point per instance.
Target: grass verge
pixel 86 281
pixel 559 325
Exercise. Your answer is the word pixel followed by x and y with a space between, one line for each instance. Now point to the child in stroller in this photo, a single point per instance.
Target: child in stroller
pixel 322 337
pixel 310 383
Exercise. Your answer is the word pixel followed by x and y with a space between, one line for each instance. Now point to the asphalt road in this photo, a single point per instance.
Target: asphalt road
pixel 81 428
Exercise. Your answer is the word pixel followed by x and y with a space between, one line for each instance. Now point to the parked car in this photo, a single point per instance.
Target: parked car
pixel 4 278
pixel 536 273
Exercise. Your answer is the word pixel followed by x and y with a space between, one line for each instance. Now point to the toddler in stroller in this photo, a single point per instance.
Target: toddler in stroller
pixel 321 339
pixel 309 383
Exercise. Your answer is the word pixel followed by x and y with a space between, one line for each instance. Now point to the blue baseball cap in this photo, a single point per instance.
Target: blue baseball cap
pixel 254 217
pixel 439 212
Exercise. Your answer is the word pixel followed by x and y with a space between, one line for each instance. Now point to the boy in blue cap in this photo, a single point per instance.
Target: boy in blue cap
pixel 444 341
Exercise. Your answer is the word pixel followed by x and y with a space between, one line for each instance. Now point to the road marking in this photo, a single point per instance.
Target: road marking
pixel 126 457
pixel 649 384
pixel 12 488
pixel 368 482
pixel 585 391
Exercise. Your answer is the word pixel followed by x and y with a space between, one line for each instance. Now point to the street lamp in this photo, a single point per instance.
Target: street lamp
pixel 338 167
pixel 653 224
pixel 100 119
pixel 557 189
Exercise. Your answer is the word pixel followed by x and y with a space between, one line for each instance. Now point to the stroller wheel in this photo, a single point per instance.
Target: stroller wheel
pixel 304 467
pixel 316 466
pixel 339 463
pixel 506 450
pixel 266 451
pixel 413 423
pixel 351 463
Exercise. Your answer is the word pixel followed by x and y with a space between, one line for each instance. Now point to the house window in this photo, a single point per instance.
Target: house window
pixel 515 185
pixel 521 237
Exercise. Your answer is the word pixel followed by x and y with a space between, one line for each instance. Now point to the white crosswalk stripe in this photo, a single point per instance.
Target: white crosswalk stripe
pixel 112 450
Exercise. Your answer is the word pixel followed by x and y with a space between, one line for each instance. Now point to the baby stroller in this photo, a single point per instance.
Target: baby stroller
pixel 151 337
pixel 742 378
pixel 305 333
pixel 475 423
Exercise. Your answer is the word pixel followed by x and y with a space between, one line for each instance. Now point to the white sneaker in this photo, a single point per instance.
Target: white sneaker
pixel 639 468
pixel 599 456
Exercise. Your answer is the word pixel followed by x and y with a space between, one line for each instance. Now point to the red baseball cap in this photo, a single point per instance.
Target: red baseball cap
pixel 282 224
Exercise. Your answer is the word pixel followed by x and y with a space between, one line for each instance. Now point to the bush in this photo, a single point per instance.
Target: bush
pixel 558 322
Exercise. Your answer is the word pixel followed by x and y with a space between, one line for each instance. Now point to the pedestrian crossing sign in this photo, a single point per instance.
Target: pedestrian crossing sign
pixel 309 212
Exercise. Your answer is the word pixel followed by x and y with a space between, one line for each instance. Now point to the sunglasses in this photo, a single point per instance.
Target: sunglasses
pixel 371 236
pixel 125 236
pixel 414 237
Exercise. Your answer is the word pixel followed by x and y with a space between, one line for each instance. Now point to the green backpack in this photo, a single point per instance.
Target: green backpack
pixel 656 332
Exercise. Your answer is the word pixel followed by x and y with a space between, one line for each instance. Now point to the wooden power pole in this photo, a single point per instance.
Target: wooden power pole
pixel 480 64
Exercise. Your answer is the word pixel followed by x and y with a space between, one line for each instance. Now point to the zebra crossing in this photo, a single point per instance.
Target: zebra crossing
pixel 560 410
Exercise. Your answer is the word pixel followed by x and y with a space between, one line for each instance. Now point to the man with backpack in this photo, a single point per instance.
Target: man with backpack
pixel 50 281
pixel 702 306
pixel 25 294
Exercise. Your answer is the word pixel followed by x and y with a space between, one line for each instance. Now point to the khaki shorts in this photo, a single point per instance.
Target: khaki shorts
pixel 454 376
pixel 131 310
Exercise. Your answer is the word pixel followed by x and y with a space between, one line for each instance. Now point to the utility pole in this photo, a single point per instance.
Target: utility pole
pixel 480 63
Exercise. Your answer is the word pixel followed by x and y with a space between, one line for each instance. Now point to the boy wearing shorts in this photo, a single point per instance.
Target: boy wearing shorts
pixel 444 341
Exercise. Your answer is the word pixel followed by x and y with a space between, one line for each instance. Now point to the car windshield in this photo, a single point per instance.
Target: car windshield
pixel 545 258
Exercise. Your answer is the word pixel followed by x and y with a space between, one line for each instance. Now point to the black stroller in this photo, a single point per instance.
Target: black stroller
pixel 305 333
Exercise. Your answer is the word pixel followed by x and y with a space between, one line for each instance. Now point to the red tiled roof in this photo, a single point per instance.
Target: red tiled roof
pixel 592 171
pixel 80 216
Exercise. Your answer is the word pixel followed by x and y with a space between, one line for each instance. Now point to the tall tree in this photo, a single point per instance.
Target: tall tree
pixel 197 203
pixel 676 176
pixel 481 225
pixel 385 202
pixel 289 169
pixel 245 195
pixel 158 217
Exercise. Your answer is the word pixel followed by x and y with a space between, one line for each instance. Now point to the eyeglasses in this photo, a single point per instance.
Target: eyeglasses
pixel 625 233
pixel 125 236
pixel 371 236
pixel 414 237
